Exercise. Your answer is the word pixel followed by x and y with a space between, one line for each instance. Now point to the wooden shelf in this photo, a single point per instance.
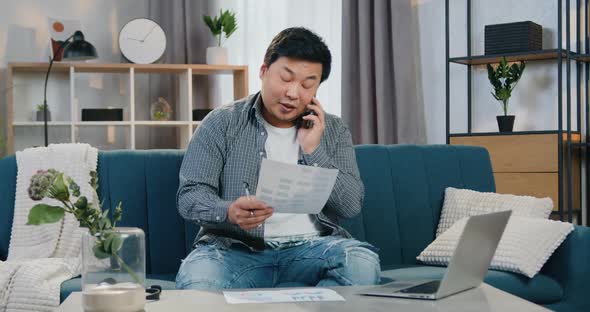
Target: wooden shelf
pixel 197 69
pixel 106 123
pixel 583 57
pixel 101 123
pixel 512 57
pixel 512 133
pixel 40 123
pixel 70 72
pixel 165 123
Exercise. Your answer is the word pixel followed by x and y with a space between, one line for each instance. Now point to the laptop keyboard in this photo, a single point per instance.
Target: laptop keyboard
pixel 426 288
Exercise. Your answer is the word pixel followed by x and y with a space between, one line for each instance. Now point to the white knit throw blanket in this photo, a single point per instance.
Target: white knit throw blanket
pixel 41 257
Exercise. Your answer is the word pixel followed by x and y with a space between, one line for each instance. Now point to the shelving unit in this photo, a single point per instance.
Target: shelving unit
pixel 552 54
pixel 537 163
pixel 183 72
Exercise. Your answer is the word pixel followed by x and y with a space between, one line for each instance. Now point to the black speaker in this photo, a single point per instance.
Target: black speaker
pixel 102 114
pixel 199 114
pixel 513 37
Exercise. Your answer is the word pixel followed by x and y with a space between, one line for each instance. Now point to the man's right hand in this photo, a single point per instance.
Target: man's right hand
pixel 248 212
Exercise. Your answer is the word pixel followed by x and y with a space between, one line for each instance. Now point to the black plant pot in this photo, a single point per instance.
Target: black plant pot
pixel 505 123
pixel 40 115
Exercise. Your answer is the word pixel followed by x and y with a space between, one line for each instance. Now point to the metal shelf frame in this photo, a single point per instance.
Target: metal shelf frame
pixel 565 209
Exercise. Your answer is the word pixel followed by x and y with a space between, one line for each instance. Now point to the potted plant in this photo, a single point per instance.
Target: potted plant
pixel 225 23
pixel 113 258
pixel 504 79
pixel 39 112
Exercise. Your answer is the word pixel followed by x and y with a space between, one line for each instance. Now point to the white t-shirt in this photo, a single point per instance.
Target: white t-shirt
pixel 281 145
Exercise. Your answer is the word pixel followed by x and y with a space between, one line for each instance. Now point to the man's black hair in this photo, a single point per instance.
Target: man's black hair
pixel 300 43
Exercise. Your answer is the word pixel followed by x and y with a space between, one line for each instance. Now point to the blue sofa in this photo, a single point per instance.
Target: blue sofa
pixel 404 187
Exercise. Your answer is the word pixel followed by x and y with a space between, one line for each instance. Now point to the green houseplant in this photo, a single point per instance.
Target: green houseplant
pixel 504 79
pixel 39 112
pixel 226 24
pixel 113 259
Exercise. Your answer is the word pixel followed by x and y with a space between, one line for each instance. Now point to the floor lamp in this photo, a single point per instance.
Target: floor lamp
pixel 76 50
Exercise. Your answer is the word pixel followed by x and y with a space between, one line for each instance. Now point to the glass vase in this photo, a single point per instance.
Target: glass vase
pixel 161 110
pixel 113 281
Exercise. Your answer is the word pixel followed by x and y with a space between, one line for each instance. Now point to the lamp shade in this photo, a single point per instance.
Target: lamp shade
pixel 79 49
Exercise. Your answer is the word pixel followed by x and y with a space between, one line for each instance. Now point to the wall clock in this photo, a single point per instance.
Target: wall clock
pixel 142 41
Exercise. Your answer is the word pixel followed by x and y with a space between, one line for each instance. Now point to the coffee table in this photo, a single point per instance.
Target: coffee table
pixel 483 298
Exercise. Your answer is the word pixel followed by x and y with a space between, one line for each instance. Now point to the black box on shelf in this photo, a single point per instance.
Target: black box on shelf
pixel 102 114
pixel 513 37
pixel 199 114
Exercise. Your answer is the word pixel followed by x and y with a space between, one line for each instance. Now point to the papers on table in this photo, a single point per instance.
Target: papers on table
pixel 282 295
pixel 294 188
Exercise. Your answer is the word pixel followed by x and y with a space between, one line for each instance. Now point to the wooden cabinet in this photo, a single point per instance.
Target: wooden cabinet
pixel 528 164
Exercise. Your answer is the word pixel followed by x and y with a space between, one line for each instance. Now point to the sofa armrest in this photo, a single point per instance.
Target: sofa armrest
pixel 570 266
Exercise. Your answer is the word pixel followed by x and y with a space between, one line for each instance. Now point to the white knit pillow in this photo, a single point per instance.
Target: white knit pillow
pixel 461 203
pixel 524 248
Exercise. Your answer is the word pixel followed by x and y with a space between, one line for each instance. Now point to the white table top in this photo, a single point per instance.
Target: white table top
pixel 483 298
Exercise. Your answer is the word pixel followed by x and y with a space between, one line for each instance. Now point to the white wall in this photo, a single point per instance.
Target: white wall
pixel 24 37
pixel 101 21
pixel 534 101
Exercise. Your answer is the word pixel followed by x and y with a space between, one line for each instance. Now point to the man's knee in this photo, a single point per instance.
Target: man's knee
pixel 354 262
pixel 200 283
pixel 203 269
pixel 363 265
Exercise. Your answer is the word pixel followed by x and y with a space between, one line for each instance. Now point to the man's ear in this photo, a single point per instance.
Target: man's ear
pixel 263 69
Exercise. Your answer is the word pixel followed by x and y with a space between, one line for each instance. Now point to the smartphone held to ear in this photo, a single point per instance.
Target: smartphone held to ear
pixel 302 123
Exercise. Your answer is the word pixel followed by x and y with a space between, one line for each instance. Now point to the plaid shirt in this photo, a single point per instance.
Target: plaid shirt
pixel 227 149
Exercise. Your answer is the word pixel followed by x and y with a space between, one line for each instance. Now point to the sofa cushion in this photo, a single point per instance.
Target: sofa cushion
pixel 459 203
pixel 75 284
pixel 540 289
pixel 525 246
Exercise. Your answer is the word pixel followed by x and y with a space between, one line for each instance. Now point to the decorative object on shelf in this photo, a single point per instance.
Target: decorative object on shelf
pixel 102 114
pixel 142 41
pixel 160 110
pixel 77 50
pixel 513 37
pixel 59 30
pixel 40 111
pixel 225 23
pixel 113 259
pixel 504 79
pixel 199 114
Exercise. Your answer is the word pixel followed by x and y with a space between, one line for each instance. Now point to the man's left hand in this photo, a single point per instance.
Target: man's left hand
pixel 309 139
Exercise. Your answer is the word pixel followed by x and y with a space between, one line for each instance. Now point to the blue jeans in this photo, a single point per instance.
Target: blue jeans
pixel 323 261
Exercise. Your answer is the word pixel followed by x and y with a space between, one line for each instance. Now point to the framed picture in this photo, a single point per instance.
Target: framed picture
pixel 60 30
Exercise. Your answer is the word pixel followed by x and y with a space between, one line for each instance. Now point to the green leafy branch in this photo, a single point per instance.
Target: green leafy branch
pixel 224 23
pixel 504 79
pixel 41 107
pixel 53 184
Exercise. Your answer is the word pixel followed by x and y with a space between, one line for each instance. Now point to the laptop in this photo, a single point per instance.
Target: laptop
pixel 467 267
